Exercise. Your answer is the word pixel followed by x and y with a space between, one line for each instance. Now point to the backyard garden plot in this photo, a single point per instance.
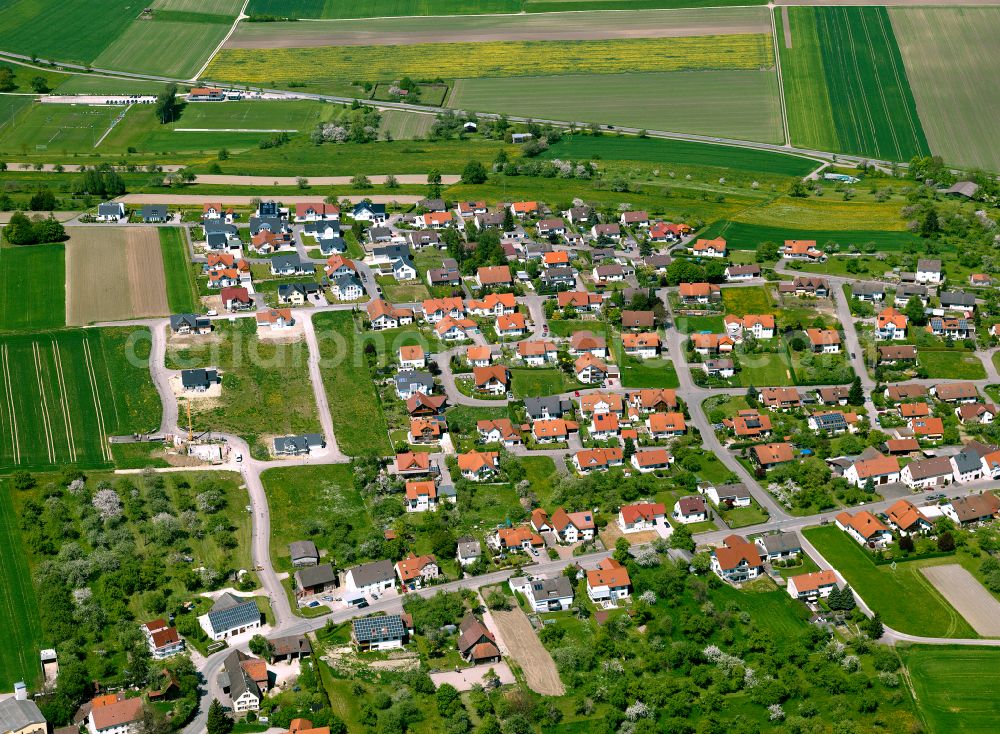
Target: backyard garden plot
pixel 479 28
pixel 952 59
pixel 57 128
pixel 19 617
pixel 872 106
pixel 114 273
pixel 677 152
pixel 955 687
pixel 739 104
pixel 342 64
pixel 32 287
pixel 63 393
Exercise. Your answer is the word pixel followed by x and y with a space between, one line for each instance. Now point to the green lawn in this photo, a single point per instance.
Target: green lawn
pixel 870 98
pixel 741 104
pixel 541 472
pixel 952 364
pixel 357 415
pixel 566 327
pixel 764 370
pixel 181 292
pixel 754 299
pixel 740 517
pixel 83 84
pixel 62 393
pixel 677 152
pixel 648 373
pixel 905 599
pixel 954 687
pixel 19 617
pixel 535 382
pixel 265 385
pixel 57 128
pixel 693 324
pixel 32 287
pixel 320 493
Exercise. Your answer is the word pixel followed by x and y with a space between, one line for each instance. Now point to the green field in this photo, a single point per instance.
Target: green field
pixel 191 40
pixel 52 29
pixel 753 299
pixel 322 493
pixel 873 108
pixel 340 65
pixel 741 236
pixel 905 599
pixel 951 364
pixel 759 370
pixel 648 373
pixel 182 296
pixel 32 287
pixel 954 687
pixel 57 128
pixel 810 116
pixel 740 104
pixel 677 152
pixel 381 8
pixel 534 382
pixel 19 616
pixel 951 60
pixel 83 84
pixel 357 414
pixel 63 393
pixel 402 125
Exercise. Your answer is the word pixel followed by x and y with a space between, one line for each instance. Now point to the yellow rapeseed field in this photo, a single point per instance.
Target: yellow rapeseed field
pixel 340 64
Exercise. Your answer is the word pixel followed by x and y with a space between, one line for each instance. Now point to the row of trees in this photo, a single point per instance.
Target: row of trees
pixel 23 231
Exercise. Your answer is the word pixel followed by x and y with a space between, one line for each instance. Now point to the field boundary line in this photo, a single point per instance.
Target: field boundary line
pixel 63 399
pixel 239 17
pixel 89 363
pixel 9 395
pixel 44 403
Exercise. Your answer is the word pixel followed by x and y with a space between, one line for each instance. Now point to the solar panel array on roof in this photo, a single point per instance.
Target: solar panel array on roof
pixel 235 616
pixel 377 629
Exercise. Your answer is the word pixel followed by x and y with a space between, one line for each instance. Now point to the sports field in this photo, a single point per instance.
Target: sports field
pixel 19 616
pixel 741 104
pixel 676 152
pixel 810 117
pixel 955 687
pixel 952 58
pixel 63 393
pixel 114 273
pixel 479 28
pixel 57 128
pixel 32 287
pixel 346 64
pixel 182 296
pixel 873 108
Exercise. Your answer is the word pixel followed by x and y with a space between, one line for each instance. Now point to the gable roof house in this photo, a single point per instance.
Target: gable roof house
pixel 890 325
pixel 379 632
pixel 410 382
pixel 642 516
pixel 737 560
pixel 778 546
pixel 651 460
pixel 709 248
pixel 824 341
pixel 875 466
pixel 590 369
pixel 929 271
pixel 699 292
pixel 550 595
pixel 21 715
pixel 303 553
pixel 973 508
pixel 780 398
pixel 956 392
pixel 476 644
pixel 115 716
pixel 802 250
pixel 689 510
pixel 494 379
pixel 112 211
pixel 479 466
pixel 864 528
pixel 927 473
pixel 230 616
pixel 572 527
pixel 589 460
pixel 413 571
pixel 312 580
pixel 906 519
pixel 769 455
pixel 544 408
pixel 372 578
pixel 812 585
pixel 608 583
pixel 163 640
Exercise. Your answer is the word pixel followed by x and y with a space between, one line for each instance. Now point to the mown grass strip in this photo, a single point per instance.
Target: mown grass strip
pixel 181 293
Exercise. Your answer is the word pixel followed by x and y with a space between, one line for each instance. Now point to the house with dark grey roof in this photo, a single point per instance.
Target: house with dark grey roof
pixel 297 294
pixel 346 287
pixel 291 265
pixel 469 550
pixel 322 228
pixel 868 291
pixel 289 647
pixel 409 383
pixel 330 245
pixel 189 323
pixel 958 300
pixel 112 211
pixel 551 595
pixel 779 546
pixel 365 211
pixel 547 407
pixel 275 225
pixel 236 680
pixel 370 578
pixel 303 553
pixel 231 616
pixel 217 226
pixel 967 465
pixel 21 715
pixel 200 379
pixel 302 445
pixel 384 632
pixel 224 242
pixel 153 213
pixel 559 277
pixel 313 580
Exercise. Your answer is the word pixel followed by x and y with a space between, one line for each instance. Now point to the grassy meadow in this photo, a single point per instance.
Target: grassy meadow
pixel 51 29
pixel 32 287
pixel 139 48
pixel 953 686
pixel 741 236
pixel 21 642
pixel 950 59
pixel 728 103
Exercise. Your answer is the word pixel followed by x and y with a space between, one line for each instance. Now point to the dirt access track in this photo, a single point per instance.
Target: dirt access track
pixel 969 597
pixel 578 26
pixel 517 639
pixel 113 274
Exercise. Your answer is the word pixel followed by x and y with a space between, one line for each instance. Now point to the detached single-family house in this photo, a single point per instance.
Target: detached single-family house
pixel 956 392
pixel 313 580
pixel 275 318
pixel 609 583
pixel 383 315
pixel 302 445
pixel 413 571
pixel 665 425
pixel 379 632
pixel 112 211
pixel 298 294
pixel 642 516
pixel 875 466
pixel 537 353
pixel 973 508
pixel 550 595
pixel 865 528
pixel 802 250
pixel 737 560
pixel 476 644
pixel 690 509
pixel 367 212
pixel 769 455
pixel 824 341
pixel 236 298
pixel 739 273
pixel 779 546
pixel 469 551
pixel 868 292
pixel 929 272
pixel 479 466
pixel 727 496
pixel 412 357
pixel 651 460
pixel 231 616
pixel 154 213
pixel 700 293
pixel 410 382
pixel 780 398
pixel 812 585
pixel 112 714
pixel 906 519
pixel 494 275
pixel 890 325
pixel 162 639
pixel 709 248
pixel 189 323
pixel 589 460
pixel 199 379
pixel 494 379
pixel 370 579
pixel 590 369
pixel 644 345
pixel 927 473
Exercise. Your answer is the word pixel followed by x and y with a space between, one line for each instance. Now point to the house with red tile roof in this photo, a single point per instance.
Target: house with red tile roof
pixel 864 528
pixel 709 248
pixel 875 466
pixel 802 250
pixel 699 293
pixel 812 585
pixel 479 466
pixel 421 496
pixel 642 516
pixel 589 460
pixel 769 455
pixel 906 519
pixel 651 460
pixel 666 425
pixel 609 583
pixel 737 560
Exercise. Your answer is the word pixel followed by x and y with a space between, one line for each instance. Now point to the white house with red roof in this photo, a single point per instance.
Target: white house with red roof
pixel 641 516
pixel 608 583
